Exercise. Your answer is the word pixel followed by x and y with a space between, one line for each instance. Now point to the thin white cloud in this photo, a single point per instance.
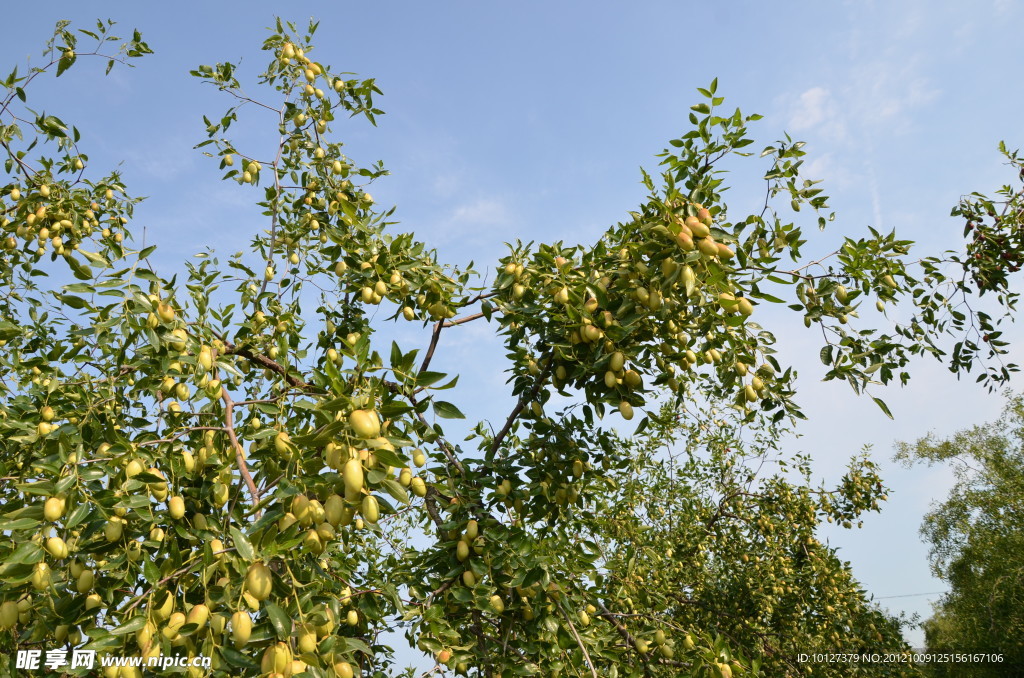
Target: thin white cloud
pixel 878 94
pixel 810 110
pixel 825 167
pixel 884 82
pixel 883 92
pixel 482 212
pixel 964 37
pixel 813 109
pixel 475 226
pixel 913 19
pixel 445 185
pixel 884 95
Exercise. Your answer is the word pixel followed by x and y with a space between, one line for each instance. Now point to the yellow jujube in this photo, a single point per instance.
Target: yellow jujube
pixel 365 423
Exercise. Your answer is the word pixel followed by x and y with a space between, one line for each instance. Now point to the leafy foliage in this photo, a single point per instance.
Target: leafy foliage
pixel 976 535
pixel 700 541
pixel 209 467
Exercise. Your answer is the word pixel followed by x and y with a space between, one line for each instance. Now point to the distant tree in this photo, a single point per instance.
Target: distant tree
pixel 977 537
pixel 709 539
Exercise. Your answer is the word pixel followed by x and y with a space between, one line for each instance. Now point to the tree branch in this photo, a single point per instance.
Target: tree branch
pixel 430 503
pixel 630 641
pixel 243 468
pixel 433 344
pixel 273 366
pixel 496 443
pixel 466 319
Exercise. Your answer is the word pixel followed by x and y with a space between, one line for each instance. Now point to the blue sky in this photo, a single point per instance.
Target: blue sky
pixel 530 120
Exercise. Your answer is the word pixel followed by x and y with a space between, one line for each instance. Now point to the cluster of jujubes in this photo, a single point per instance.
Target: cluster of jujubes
pixel 995 232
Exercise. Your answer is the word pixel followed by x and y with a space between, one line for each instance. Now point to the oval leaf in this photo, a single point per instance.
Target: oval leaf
pixel 446 410
pixel 242 545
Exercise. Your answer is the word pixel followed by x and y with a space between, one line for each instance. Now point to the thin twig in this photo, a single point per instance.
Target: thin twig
pixel 466 319
pixel 579 641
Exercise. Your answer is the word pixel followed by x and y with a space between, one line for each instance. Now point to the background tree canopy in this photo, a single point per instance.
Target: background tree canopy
pixel 235 465
pixel 975 536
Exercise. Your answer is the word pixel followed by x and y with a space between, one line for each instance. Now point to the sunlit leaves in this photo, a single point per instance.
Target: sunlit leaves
pixel 173 434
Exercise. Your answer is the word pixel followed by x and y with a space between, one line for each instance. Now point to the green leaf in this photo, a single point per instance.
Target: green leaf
pixel 885 408
pixel 132 626
pixel 347 645
pixel 188 629
pixel 236 658
pixel 446 410
pixel 390 458
pixel 26 554
pixel 268 518
pixel 394 409
pixel 97 259
pixel 242 545
pixel 424 379
pixel 102 640
pixel 73 301
pixel 150 571
pixel 79 271
pixel 334 405
pixel 279 620
pixel 64 64
pixel 450 384
pixel 767 297
pixel 8 330
pixel 18 524
pixel 319 437
pixel 395 490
